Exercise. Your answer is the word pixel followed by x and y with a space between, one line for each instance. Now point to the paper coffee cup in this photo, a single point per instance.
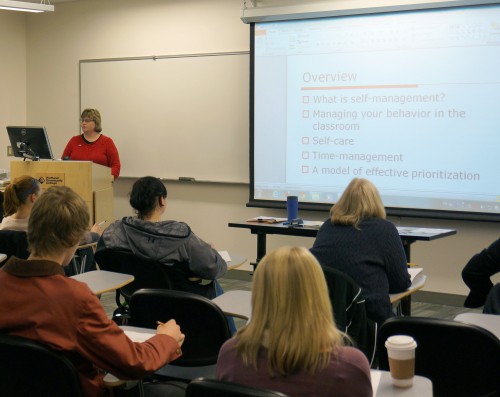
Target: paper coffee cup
pixel 401 352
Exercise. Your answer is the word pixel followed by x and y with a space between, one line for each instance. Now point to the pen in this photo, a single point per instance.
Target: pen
pixel 101 223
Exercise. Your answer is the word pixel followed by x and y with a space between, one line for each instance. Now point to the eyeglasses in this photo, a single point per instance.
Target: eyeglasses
pixel 87 120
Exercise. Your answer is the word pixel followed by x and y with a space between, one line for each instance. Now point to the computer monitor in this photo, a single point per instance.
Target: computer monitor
pixel 30 142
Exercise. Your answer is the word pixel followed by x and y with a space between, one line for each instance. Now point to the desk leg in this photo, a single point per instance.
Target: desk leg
pixel 406 306
pixel 406 301
pixel 261 248
pixel 407 247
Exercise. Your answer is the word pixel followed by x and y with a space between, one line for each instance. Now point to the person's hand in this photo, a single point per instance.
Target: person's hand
pixel 171 328
pixel 96 229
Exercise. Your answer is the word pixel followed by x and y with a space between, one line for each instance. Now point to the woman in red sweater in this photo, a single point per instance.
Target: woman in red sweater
pixel 93 146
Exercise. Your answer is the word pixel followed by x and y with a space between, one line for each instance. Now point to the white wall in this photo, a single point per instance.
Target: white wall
pixel 12 76
pixel 121 28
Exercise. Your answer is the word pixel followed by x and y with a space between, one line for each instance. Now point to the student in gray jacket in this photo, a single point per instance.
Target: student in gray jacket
pixel 192 260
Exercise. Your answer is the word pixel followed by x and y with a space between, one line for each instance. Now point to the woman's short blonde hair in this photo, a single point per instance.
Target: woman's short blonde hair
pixel 59 218
pixel 291 315
pixel 360 200
pixel 95 116
pixel 17 193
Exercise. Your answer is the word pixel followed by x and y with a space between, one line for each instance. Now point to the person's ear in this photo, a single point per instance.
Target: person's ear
pixel 163 201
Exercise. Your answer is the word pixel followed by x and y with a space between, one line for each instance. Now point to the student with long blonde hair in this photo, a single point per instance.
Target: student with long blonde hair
pixel 291 343
pixel 359 241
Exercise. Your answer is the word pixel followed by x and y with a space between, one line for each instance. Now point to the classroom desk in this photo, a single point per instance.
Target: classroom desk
pixel 235 303
pixel 382 386
pixel 491 322
pixel 417 284
pixel 381 380
pixel 100 281
pixel 236 261
pixel 408 234
pixel 404 307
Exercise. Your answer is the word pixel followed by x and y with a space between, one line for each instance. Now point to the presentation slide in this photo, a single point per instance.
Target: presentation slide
pixel 409 100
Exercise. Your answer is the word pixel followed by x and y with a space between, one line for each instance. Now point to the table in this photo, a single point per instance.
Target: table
pixel 382 386
pixel 491 322
pixel 100 281
pixel 408 234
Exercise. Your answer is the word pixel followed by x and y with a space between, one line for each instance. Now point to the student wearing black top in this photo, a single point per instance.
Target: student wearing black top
pixel 359 241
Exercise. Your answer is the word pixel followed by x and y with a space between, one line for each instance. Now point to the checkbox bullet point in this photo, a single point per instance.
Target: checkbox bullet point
pixel 305 169
pixel 305 155
pixel 305 99
pixel 305 114
pixel 305 140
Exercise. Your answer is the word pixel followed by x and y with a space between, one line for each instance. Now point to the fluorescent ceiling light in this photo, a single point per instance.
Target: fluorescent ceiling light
pixel 12 5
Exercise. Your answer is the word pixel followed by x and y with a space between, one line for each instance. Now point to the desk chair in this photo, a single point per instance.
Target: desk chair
pixel 28 368
pixel 147 274
pixel 14 242
pixel 201 320
pixel 349 311
pixel 83 259
pixel 202 387
pixel 461 360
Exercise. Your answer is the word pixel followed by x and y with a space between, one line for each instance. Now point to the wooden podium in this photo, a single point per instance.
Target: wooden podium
pixel 93 182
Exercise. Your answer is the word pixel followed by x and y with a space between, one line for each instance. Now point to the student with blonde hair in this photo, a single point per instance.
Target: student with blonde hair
pixel 291 343
pixel 359 241
pixel 19 198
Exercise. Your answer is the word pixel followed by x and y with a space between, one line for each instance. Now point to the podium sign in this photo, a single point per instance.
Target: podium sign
pixel 50 179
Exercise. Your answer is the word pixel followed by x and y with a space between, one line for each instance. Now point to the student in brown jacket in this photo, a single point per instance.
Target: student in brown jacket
pixel 38 302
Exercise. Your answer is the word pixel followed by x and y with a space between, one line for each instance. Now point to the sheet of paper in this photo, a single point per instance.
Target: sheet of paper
pixel 375 375
pixel 313 224
pixel 225 256
pixel 420 231
pixel 267 219
pixel 138 336
pixel 414 272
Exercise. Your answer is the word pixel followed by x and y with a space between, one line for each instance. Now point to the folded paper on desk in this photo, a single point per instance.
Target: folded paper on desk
pixel 414 272
pixel 267 219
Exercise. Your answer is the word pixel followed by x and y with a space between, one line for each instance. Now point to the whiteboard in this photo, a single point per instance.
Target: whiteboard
pixel 174 116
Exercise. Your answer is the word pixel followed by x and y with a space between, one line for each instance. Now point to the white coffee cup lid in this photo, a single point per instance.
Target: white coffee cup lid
pixel 403 342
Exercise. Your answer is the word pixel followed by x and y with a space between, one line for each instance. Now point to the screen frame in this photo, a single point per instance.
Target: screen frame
pixel 39 136
pixel 325 207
